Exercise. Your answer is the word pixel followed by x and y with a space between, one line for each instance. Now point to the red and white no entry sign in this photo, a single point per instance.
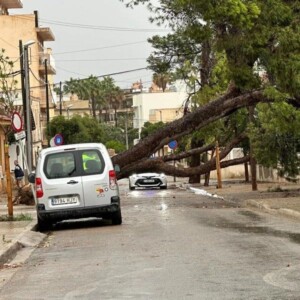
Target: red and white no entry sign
pixel 16 122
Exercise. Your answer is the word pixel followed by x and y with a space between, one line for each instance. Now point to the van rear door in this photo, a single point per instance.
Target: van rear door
pixel 62 183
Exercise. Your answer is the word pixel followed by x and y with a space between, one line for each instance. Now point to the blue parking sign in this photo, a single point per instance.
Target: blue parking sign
pixel 173 144
pixel 58 140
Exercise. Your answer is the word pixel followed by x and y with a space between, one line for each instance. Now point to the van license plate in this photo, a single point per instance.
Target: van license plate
pixel 64 200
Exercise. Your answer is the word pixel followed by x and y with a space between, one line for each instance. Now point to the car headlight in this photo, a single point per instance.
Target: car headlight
pixel 162 175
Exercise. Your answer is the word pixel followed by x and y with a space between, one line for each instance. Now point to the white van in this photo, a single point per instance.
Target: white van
pixel 75 181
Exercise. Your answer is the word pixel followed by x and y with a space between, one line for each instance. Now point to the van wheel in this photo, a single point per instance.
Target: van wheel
pixel 43 225
pixel 116 218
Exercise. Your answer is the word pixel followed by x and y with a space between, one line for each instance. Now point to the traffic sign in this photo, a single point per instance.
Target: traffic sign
pixel 58 139
pixel 16 122
pixel 20 135
pixel 173 144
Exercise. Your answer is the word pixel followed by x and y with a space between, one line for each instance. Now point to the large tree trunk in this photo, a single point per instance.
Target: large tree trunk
pixel 246 172
pixel 195 160
pixel 253 172
pixel 252 158
pixel 207 175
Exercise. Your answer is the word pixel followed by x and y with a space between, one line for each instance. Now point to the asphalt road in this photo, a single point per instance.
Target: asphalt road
pixel 173 244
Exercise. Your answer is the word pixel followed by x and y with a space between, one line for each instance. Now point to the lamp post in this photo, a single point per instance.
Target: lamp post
pixel 28 105
pixel 126 132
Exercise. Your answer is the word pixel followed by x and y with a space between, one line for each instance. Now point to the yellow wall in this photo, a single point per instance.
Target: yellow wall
pixel 21 27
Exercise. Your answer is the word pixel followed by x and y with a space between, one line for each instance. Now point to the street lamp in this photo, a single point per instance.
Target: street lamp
pixel 28 105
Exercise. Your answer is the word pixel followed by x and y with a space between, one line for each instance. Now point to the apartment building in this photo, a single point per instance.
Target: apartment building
pixel 16 31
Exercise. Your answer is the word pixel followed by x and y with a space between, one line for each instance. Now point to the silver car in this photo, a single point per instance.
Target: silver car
pixel 148 180
pixel 75 181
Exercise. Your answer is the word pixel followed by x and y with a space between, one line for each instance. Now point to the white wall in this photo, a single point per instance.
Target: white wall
pixel 144 102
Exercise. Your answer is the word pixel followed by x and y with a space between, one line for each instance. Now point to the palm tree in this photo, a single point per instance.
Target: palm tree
pixel 116 99
pixel 161 80
pixel 102 94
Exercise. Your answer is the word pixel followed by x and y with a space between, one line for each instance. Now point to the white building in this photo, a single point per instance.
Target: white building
pixel 145 104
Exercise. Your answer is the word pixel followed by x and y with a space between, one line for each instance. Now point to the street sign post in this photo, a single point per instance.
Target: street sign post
pixel 173 145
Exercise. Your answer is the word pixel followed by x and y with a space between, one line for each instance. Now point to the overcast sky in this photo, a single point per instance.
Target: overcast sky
pixel 95 37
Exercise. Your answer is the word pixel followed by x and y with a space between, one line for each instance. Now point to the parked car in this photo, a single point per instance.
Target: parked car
pixel 148 180
pixel 75 181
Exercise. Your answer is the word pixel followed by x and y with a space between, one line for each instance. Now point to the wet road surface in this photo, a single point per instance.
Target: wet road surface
pixel 173 244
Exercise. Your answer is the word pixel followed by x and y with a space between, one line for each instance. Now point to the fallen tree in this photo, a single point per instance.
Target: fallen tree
pixel 139 158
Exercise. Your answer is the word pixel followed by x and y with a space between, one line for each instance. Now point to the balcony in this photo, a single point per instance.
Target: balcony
pixel 8 4
pixel 50 64
pixel 45 34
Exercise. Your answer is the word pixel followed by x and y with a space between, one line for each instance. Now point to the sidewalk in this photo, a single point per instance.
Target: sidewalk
pixel 283 198
pixel 16 235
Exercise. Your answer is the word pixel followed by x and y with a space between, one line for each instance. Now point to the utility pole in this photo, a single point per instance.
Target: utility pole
pixel 22 80
pixel 47 101
pixel 8 183
pixel 60 98
pixel 28 106
pixel 126 132
pixel 94 107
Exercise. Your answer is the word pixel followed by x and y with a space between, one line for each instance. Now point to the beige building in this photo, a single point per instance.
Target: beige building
pixel 16 31
pixel 73 107
pixel 165 115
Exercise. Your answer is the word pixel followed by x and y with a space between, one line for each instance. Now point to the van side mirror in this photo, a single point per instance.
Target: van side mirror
pixel 117 168
pixel 31 177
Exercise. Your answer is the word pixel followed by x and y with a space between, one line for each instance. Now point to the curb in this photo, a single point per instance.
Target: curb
pixel 11 250
pixel 282 211
pixel 289 212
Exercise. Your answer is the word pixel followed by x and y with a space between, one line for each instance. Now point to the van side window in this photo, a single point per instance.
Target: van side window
pixel 92 161
pixel 60 165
